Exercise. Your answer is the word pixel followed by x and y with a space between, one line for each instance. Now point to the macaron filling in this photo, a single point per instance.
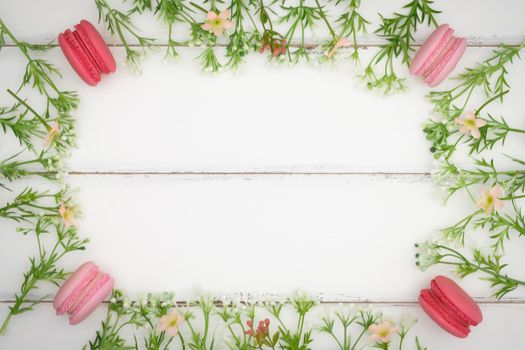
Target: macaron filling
pixel 436 291
pixel 81 54
pixel 88 293
pixel 443 312
pixel 447 54
pixel 72 299
pixel 90 50
pixel 432 59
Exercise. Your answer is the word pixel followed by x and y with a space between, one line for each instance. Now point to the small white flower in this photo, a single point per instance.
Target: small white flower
pixel 426 255
pixel 407 321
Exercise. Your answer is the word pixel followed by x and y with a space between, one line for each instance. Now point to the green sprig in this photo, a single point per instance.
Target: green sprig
pixel 490 75
pixel 352 23
pixel 44 267
pixel 120 24
pixel 38 211
pixel 490 266
pixel 398 31
pixel 210 324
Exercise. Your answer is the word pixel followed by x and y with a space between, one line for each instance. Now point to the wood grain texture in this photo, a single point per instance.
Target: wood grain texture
pixel 261 119
pixel 298 172
pixel 480 22
pixel 344 236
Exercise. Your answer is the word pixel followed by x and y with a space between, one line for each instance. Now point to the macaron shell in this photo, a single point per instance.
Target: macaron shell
pixel 449 64
pixel 428 48
pixel 433 311
pixel 78 59
pixel 460 299
pixel 76 294
pixel 97 47
pixel 94 301
pixel 71 283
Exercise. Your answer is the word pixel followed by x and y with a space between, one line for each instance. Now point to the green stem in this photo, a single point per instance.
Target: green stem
pixel 4 325
pixel 29 58
pixel 15 96
pixel 358 339
pixel 493 98
pixel 512 197
pixel 20 300
pixel 480 268
pixel 323 16
pixel 183 344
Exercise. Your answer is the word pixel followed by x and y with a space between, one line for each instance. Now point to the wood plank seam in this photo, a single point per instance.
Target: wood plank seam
pixel 242 173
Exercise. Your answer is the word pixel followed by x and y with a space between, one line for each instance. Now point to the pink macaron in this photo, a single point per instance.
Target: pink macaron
pixel 87 52
pixel 438 56
pixel 83 291
pixel 450 306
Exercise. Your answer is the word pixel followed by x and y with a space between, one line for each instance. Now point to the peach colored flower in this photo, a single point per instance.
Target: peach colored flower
pixel 490 200
pixel 342 42
pixel 67 215
pixel 276 47
pixel 381 332
pixel 217 23
pixel 171 322
pixel 51 134
pixel 470 124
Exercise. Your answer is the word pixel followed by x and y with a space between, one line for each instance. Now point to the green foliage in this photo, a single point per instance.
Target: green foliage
pixel 500 226
pixel 253 29
pixel 120 24
pixel 45 138
pixel 490 266
pixel 209 323
pixel 398 31
pixel 44 267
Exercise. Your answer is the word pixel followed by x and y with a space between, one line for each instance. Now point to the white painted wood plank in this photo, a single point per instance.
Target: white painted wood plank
pixel 346 237
pixel 499 329
pixel 38 21
pixel 301 119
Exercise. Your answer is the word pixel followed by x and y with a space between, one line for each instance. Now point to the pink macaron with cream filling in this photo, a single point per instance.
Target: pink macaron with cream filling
pixel 82 292
pixel 450 306
pixel 438 56
pixel 87 52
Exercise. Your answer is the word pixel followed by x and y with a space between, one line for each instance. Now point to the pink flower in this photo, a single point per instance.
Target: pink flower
pixel 490 200
pixel 217 23
pixel 51 134
pixel 470 124
pixel 262 331
pixel 342 42
pixel 381 332
pixel 276 47
pixel 67 215
pixel 171 322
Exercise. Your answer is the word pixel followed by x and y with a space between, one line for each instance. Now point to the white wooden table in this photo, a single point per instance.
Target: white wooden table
pixel 326 186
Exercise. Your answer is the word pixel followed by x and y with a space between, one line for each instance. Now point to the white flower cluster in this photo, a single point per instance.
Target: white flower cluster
pixel 427 254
